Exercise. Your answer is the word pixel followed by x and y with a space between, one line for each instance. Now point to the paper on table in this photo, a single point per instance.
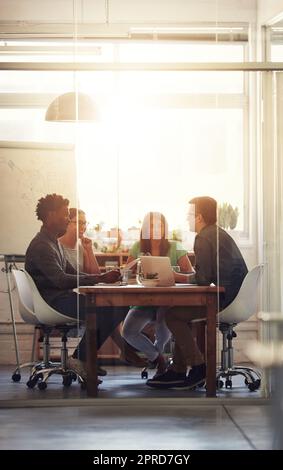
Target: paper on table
pixel 117 283
pixel 178 284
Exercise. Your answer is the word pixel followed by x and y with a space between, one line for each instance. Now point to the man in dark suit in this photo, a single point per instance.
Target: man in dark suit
pixel 218 261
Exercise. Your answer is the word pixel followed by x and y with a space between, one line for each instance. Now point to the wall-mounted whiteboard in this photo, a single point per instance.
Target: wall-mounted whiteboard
pixel 27 173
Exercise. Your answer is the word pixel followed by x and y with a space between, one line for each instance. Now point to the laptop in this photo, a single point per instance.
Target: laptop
pixel 161 266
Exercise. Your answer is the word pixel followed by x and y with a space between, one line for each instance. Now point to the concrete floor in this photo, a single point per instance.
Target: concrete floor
pixel 142 427
pixel 120 382
pixel 128 415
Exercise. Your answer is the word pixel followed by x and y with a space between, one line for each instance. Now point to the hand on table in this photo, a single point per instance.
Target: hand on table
pixel 110 276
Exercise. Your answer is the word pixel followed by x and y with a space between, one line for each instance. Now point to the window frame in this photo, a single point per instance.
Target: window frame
pixel 26 100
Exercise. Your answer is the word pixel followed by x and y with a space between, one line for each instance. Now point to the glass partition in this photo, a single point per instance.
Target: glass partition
pixel 163 137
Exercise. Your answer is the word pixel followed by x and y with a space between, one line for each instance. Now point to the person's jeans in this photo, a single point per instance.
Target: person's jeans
pixel 186 351
pixel 107 318
pixel 136 320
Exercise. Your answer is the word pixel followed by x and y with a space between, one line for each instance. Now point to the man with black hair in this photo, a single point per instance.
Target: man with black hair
pixel 55 277
pixel 218 261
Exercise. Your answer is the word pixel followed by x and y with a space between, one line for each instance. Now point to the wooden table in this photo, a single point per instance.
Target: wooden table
pixel 119 296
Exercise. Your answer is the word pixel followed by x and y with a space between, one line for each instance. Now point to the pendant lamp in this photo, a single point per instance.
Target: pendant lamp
pixel 71 107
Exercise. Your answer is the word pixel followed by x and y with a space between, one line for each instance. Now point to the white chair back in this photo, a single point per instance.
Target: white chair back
pixel 45 314
pixel 246 302
pixel 26 307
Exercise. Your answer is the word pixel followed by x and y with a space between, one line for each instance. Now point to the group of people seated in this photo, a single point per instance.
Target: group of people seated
pixel 60 257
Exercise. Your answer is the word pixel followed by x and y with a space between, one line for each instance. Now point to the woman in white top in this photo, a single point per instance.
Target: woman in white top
pixel 77 247
pixel 78 250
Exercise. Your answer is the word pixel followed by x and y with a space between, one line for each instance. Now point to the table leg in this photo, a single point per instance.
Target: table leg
pixel 211 346
pixel 200 335
pixel 91 347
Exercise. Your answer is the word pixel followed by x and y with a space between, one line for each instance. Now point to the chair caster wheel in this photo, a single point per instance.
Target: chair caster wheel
pixel 228 384
pixel 201 384
pixel 253 386
pixel 16 377
pixel 42 385
pixel 31 383
pixel 83 385
pixel 219 383
pixel 144 374
pixel 257 383
pixel 67 380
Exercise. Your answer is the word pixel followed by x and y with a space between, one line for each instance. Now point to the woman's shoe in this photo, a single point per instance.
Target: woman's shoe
pixel 101 371
pixel 170 379
pixel 160 364
pixel 131 357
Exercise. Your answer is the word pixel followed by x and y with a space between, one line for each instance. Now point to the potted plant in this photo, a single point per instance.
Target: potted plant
pixel 227 216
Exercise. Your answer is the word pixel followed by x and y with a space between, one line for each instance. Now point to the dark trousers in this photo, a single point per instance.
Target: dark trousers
pixel 107 318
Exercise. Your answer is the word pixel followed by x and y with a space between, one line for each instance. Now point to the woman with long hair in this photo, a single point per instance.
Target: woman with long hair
pixel 153 241
pixel 78 250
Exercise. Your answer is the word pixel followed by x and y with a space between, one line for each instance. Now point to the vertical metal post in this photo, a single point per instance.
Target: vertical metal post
pixel 7 270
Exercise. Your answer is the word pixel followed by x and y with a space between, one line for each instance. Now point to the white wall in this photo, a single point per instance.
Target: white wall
pixel 269 9
pixel 138 11
pixel 181 10
pixel 48 11
pixel 29 172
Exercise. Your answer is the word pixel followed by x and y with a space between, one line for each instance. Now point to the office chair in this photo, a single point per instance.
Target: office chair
pixel 27 314
pixel 241 309
pixel 34 310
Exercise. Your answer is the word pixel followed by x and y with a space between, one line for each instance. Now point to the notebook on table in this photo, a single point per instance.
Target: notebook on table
pixel 161 266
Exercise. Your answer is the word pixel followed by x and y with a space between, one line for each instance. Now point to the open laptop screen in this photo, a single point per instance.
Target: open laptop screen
pixel 161 266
